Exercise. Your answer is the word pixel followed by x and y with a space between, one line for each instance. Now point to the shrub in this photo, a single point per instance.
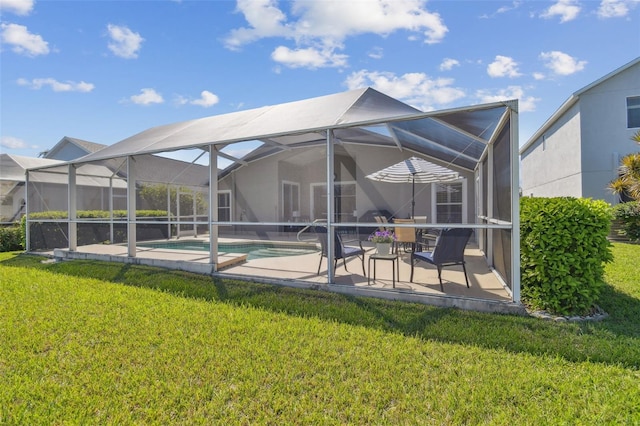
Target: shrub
pixel 564 248
pixel 96 214
pixel 47 234
pixel 629 215
pixel 10 238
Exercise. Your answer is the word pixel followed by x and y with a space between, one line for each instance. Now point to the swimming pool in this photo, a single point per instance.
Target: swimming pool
pixel 254 249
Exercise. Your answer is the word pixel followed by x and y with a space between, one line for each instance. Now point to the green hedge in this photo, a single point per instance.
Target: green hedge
pixel 96 214
pixel 629 215
pixel 11 238
pixel 564 248
pixel 45 234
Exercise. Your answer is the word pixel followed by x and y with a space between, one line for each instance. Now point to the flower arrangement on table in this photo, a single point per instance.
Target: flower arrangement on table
pixel 383 237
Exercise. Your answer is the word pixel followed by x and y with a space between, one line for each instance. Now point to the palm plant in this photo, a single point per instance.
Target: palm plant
pixel 629 180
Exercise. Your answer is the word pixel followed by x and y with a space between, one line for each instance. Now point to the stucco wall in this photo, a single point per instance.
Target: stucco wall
pixel 551 165
pixel 605 136
pixel 581 151
pixel 68 152
pixel 259 184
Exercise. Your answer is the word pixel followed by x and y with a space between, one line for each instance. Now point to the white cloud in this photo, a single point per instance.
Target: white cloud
pixel 308 58
pixel 616 8
pixel 525 103
pixel 264 19
pixel 417 89
pixel 448 64
pixel 568 10
pixel 335 20
pixel 561 64
pixel 503 66
pixel 147 97
pixel 124 42
pixel 538 76
pixel 376 53
pixel 206 100
pixel 19 7
pixel 320 27
pixel 57 86
pixel 23 41
pixel 504 9
pixel 514 5
pixel 12 143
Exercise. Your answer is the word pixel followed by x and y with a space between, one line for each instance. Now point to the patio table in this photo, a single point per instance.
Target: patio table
pixel 395 266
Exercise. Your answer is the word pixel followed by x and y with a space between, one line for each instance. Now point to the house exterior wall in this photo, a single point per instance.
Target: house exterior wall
pixel 581 150
pixel 252 188
pixel 604 132
pixel 551 166
pixel 67 152
pixel 254 185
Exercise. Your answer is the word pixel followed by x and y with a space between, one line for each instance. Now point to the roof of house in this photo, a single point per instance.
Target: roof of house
pixel 163 169
pixel 572 101
pixel 86 146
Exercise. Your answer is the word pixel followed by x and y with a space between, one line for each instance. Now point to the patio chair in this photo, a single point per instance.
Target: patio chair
pixel 405 237
pixel 340 250
pixel 448 251
pixel 382 220
pixel 425 236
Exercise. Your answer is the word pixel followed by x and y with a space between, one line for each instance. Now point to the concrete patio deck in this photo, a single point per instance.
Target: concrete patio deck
pixel 486 292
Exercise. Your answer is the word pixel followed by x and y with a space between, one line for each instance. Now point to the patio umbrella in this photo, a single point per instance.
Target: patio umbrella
pixel 414 170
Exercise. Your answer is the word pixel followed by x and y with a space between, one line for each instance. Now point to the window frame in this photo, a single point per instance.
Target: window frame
pixel 633 120
pixel 227 193
pixel 463 202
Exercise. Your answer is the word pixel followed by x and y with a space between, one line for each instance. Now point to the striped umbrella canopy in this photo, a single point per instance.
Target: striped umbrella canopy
pixel 414 170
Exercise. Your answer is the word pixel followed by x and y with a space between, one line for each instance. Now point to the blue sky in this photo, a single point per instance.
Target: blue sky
pixel 105 70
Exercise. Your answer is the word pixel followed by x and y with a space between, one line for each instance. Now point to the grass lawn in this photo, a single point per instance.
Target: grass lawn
pixel 99 343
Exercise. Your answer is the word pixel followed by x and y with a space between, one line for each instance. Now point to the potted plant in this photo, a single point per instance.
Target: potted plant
pixel 383 241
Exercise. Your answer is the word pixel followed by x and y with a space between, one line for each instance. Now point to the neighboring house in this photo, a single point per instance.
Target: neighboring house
pixel 12 195
pixel 68 149
pixel 152 168
pixel 49 191
pixel 49 194
pixel 577 151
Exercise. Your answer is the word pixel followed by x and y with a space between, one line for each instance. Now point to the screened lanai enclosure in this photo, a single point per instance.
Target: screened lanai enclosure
pixel 249 194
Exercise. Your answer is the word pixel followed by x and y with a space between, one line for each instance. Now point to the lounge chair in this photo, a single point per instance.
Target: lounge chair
pixel 340 250
pixel 448 251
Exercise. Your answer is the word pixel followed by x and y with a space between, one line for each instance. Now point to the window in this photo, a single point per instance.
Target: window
pixel 449 203
pixel 633 112
pixel 224 206
pixel 290 201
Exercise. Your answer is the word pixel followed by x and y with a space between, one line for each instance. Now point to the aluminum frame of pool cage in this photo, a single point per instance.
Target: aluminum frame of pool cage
pixel 460 137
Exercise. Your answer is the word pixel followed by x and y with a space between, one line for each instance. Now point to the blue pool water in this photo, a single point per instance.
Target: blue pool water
pixel 254 250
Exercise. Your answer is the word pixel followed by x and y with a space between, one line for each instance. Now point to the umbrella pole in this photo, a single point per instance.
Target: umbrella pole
pixel 413 196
